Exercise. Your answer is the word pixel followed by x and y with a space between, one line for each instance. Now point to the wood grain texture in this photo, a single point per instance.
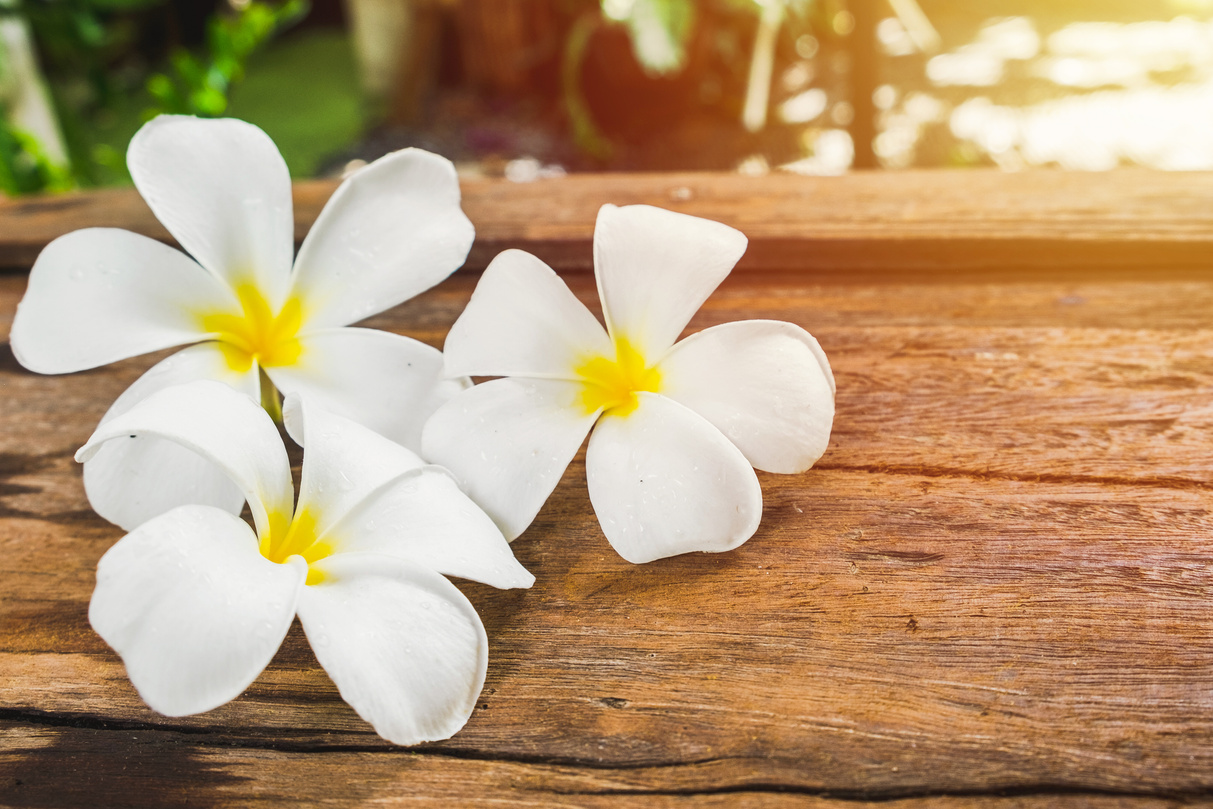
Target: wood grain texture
pixel 993 591
pixel 920 221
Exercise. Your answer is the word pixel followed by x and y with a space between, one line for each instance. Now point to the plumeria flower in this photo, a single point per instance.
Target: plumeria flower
pixel 677 428
pixel 196 603
pixel 222 189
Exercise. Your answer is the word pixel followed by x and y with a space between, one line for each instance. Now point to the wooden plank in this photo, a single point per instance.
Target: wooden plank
pixel 145 768
pixel 994 590
pixel 873 221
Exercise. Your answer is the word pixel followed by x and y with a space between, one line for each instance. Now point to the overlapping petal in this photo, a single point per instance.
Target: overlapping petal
pixel 402 644
pixel 664 481
pixel 423 516
pixel 760 382
pixel 192 608
pixel 131 479
pixel 223 190
pixel 373 496
pixel 655 268
pixel 387 382
pixel 680 427
pixel 523 320
pixel 100 295
pixel 507 442
pixel 346 462
pixel 224 427
pixel 389 232
pixel 196 603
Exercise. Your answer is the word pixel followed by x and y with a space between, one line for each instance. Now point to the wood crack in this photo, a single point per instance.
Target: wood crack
pixel 210 738
pixel 1031 791
pixel 217 737
pixel 1158 482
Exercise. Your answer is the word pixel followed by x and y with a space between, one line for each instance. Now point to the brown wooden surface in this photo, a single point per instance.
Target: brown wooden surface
pixel 914 220
pixel 993 591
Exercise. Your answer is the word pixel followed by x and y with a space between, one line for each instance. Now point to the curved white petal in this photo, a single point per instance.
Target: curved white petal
pixel 522 320
pixel 655 269
pixel 223 190
pixel 392 230
pixel 387 382
pixel 134 478
pixel 663 481
pixel 762 384
pixel 343 461
pixel 423 517
pixel 508 441
pixel 192 608
pixel 404 647
pixel 100 295
pixel 223 426
pixel 823 361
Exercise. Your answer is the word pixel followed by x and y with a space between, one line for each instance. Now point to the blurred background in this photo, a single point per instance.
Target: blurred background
pixel 534 88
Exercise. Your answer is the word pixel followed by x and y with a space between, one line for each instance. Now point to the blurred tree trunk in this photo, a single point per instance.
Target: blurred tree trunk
pixel 864 77
pixel 504 40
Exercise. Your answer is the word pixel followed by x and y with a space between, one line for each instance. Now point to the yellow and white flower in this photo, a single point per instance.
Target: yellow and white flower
pixel 257 320
pixel 196 603
pixel 678 426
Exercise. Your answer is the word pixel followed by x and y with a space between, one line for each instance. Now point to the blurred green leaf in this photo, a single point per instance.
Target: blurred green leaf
pixel 658 29
pixel 199 85
pixel 24 165
pixel 207 101
pixel 89 29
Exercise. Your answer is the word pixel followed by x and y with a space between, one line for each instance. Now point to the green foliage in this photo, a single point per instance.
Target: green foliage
pixel 24 166
pixel 199 85
pixel 304 92
pixel 658 29
pixel 81 38
pixel 87 49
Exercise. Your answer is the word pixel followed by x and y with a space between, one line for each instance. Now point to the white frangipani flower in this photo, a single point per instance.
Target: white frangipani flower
pixel 196 604
pixel 679 426
pixel 222 189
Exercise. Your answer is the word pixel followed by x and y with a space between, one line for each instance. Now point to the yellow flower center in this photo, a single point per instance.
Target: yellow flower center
pixel 612 384
pixel 289 537
pixel 257 333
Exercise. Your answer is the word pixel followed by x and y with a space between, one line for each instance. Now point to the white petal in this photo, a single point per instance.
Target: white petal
pixel 192 608
pixel 762 383
pixel 343 461
pixel 404 647
pixel 663 481
pixel 223 426
pixel 130 480
pixel 655 269
pixel 522 320
pixel 224 192
pixel 392 230
pixel 389 383
pixel 423 517
pixel 100 295
pixel 508 441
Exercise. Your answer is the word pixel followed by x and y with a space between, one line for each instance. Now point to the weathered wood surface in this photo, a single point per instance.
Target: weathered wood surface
pixel 914 220
pixel 994 590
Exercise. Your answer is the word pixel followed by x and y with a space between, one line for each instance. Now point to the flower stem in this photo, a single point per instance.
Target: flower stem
pixel 271 400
